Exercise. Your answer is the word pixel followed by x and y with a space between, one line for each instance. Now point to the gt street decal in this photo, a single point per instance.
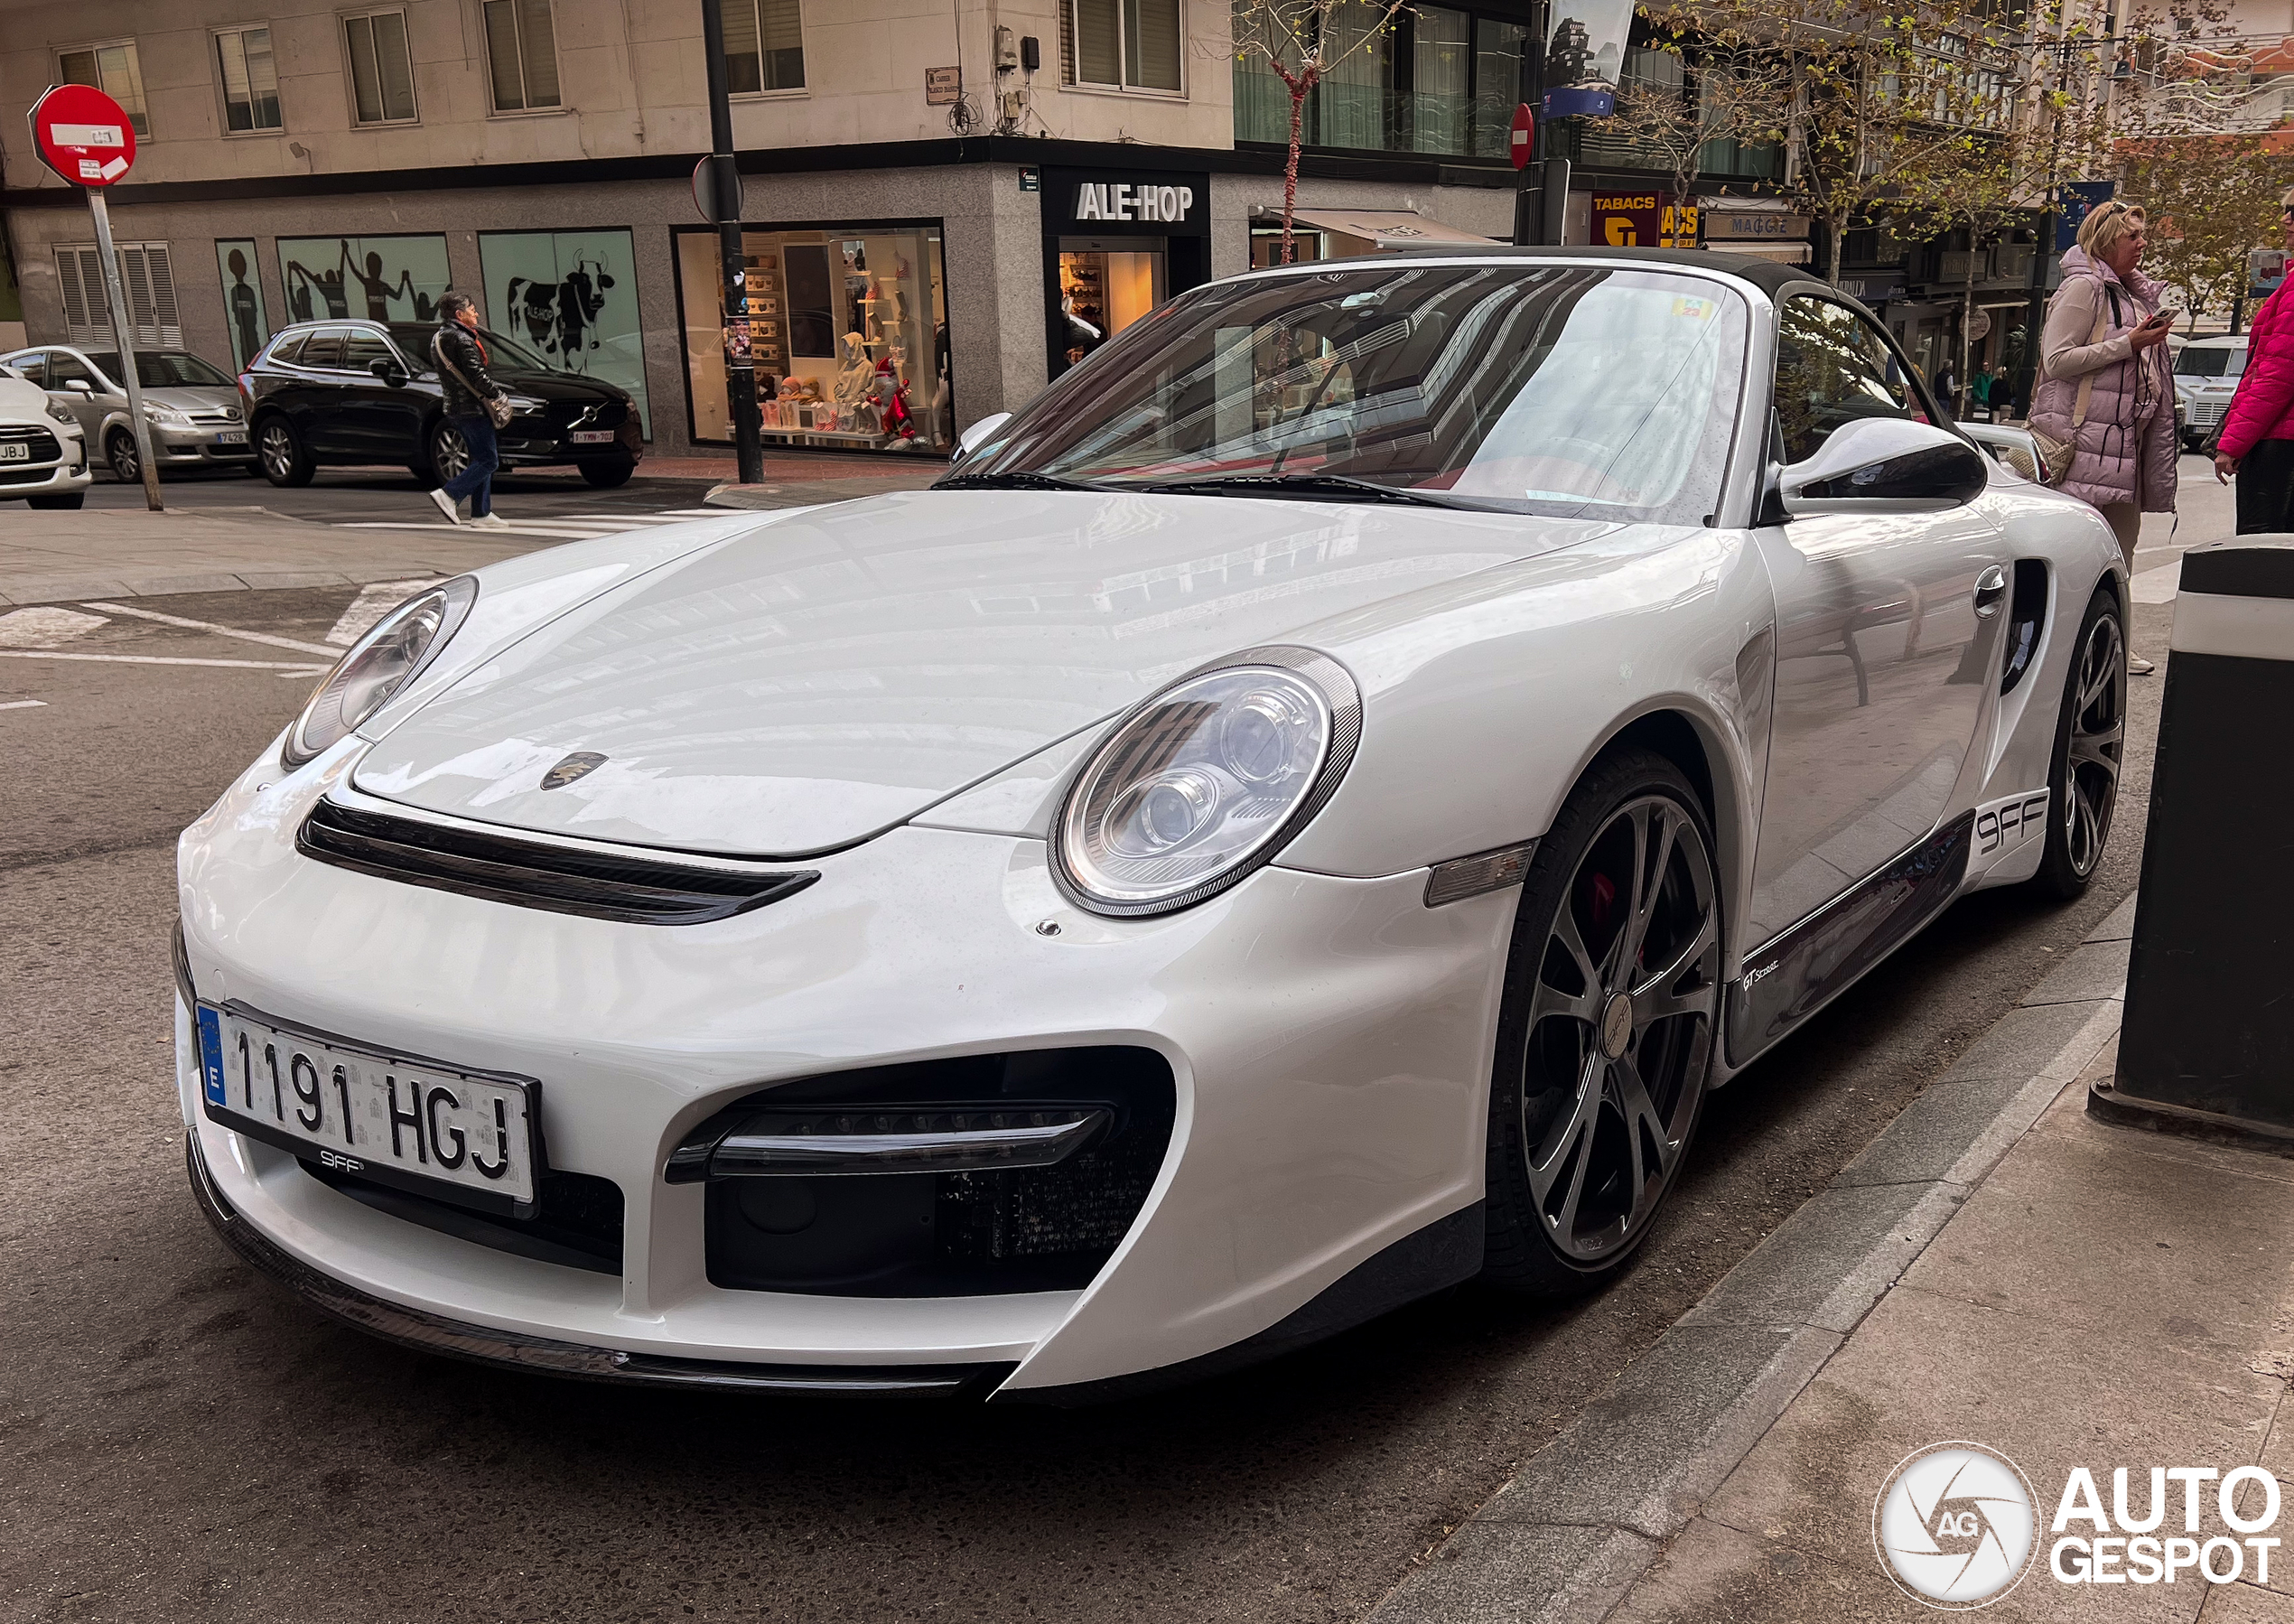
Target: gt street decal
pixel 2004 824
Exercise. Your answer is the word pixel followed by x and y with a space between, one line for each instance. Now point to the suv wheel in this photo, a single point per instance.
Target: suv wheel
pixel 449 452
pixel 605 473
pixel 280 450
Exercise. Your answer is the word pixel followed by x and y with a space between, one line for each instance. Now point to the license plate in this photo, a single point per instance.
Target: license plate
pixel 593 436
pixel 231 437
pixel 413 1123
pixel 14 451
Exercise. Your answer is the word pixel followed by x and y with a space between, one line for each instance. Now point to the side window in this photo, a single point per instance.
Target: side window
pixel 362 350
pixel 33 365
pixel 284 351
pixel 63 371
pixel 322 349
pixel 1832 366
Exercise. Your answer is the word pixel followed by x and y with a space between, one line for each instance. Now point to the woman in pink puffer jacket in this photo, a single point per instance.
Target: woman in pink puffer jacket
pixel 2256 440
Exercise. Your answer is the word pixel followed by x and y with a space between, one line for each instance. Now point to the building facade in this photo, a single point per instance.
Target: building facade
pixel 946 203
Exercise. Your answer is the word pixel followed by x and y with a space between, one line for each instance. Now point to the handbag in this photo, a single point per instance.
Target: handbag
pixel 2056 454
pixel 498 406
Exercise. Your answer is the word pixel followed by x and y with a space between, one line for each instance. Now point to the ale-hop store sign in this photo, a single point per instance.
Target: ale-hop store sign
pixel 1958 1525
pixel 1099 202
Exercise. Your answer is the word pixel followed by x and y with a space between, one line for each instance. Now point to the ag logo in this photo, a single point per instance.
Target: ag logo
pixel 1952 1526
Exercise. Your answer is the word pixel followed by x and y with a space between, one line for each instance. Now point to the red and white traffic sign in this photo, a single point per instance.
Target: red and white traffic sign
pixel 83 134
pixel 1525 135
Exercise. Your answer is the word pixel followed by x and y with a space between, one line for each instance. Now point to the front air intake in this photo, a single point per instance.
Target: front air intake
pixel 526 873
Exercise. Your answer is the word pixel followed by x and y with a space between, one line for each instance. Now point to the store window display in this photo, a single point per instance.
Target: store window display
pixel 847 334
pixel 1106 286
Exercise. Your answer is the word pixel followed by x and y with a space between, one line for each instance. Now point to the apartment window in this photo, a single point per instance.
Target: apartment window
pixel 764 46
pixel 250 79
pixel 382 73
pixel 113 70
pixel 521 52
pixel 1125 45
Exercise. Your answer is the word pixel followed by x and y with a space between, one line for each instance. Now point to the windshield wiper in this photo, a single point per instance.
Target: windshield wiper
pixel 1343 487
pixel 1018 479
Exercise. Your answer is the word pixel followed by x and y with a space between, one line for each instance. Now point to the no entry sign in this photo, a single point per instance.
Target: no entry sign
pixel 83 134
pixel 1525 140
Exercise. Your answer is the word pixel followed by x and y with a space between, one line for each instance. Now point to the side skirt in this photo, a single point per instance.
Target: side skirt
pixel 1804 968
pixel 1444 1252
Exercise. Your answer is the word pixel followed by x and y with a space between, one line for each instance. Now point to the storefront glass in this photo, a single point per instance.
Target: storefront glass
pixel 384 278
pixel 1107 285
pixel 571 297
pixel 847 334
pixel 243 313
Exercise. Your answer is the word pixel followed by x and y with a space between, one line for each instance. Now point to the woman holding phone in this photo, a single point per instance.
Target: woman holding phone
pixel 2104 390
pixel 2257 439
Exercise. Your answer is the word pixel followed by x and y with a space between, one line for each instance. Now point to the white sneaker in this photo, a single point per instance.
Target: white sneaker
pixel 485 522
pixel 445 505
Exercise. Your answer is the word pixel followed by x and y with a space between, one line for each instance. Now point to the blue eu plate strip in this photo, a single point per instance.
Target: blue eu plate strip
pixel 210 1054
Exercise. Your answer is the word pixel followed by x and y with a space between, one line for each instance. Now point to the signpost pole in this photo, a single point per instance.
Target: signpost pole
pixel 125 337
pixel 724 199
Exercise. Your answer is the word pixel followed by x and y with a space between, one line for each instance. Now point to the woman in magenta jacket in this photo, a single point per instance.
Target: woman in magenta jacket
pixel 2256 440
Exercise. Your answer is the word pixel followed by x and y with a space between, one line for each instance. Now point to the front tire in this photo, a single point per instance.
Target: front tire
pixel 605 474
pixel 1605 1036
pixel 119 451
pixel 449 452
pixel 2089 745
pixel 285 458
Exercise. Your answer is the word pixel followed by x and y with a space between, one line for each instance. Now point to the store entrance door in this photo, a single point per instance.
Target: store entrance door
pixel 1116 245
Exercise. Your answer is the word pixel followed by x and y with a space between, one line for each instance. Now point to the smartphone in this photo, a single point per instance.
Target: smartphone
pixel 2165 318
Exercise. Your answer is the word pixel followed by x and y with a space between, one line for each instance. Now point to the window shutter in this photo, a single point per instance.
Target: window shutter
pixel 1098 56
pixel 147 278
pixel 1153 44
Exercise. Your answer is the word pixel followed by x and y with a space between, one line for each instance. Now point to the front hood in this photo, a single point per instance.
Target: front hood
pixel 201 397
pixel 809 683
pixel 553 387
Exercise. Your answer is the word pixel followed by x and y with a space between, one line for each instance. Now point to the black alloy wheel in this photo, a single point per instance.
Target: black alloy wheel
pixel 449 452
pixel 280 450
pixel 2090 745
pixel 1605 1038
pixel 606 473
pixel 119 450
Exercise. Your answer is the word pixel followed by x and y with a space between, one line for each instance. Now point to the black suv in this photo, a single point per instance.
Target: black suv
pixel 355 392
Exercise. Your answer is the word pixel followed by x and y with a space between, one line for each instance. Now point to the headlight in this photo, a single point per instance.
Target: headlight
pixel 1205 781
pixel 60 414
pixel 379 665
pixel 167 416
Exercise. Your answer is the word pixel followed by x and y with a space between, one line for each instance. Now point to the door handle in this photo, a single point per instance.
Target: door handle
pixel 1990 587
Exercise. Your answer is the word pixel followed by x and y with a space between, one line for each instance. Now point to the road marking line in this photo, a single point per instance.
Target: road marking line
pixel 698 512
pixel 244 637
pixel 44 628
pixel 585 534
pixel 21 704
pixel 374 600
pixel 158 659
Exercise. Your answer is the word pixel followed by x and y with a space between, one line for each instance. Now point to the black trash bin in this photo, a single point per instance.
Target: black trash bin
pixel 2208 1040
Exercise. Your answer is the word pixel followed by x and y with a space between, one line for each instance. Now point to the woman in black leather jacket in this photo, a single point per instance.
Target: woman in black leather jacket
pixel 461 357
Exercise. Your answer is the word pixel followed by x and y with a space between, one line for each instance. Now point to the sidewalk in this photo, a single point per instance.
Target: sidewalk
pixel 1998 1267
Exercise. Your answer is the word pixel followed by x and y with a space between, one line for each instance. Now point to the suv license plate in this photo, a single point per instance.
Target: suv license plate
pixel 412 1123
pixel 593 436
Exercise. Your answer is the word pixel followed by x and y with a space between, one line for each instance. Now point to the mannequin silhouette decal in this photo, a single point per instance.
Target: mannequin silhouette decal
pixel 247 308
pixel 379 289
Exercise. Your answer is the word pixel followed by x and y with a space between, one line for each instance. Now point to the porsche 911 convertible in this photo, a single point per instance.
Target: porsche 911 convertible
pixel 1301 815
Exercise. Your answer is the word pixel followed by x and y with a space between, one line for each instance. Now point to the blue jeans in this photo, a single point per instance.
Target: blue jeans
pixel 477 481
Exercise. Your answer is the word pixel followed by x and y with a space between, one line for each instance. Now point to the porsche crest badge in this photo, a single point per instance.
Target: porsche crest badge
pixel 579 764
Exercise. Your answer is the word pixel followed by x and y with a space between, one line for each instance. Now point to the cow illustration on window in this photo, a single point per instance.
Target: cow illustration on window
pixel 560 318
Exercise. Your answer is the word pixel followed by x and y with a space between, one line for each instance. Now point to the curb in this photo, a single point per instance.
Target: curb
pixel 1573 1530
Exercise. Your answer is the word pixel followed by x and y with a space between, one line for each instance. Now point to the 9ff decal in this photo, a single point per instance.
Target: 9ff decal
pixel 2006 823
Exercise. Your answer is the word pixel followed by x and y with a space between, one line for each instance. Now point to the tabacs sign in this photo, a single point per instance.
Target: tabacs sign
pixel 1642 220
pixel 1101 201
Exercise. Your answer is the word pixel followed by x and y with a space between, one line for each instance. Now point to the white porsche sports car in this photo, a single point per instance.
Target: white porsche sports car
pixel 1298 817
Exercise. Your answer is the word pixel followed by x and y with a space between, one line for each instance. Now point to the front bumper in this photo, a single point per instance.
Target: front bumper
pixel 177 448
pixel 1328 1039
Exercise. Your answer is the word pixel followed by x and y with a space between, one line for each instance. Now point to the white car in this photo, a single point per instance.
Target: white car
pixel 1301 817
pixel 2206 375
pixel 43 459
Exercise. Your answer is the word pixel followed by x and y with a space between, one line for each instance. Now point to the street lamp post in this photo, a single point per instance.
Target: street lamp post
pixel 725 200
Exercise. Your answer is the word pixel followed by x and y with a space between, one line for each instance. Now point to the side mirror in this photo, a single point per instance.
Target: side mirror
pixel 81 386
pixel 1885 465
pixel 387 369
pixel 979 434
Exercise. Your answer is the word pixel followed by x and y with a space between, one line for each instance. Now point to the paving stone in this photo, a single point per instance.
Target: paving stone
pixel 1716 1574
pixel 1519 1573
pixel 1828 1262
pixel 160 586
pixel 2118 925
pixel 1928 1140
pixel 2245 1604
pixel 2024 1043
pixel 2094 970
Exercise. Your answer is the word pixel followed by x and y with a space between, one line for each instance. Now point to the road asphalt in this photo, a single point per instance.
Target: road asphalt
pixel 190 1445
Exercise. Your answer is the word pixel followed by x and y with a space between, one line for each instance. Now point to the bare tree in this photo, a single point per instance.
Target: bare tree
pixel 1301 41
pixel 1726 95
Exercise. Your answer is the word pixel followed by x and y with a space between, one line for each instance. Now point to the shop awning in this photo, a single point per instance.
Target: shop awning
pixel 1387 227
pixel 1783 253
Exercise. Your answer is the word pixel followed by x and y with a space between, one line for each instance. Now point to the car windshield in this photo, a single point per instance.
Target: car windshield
pixel 162 369
pixel 2213 361
pixel 1552 389
pixel 501 354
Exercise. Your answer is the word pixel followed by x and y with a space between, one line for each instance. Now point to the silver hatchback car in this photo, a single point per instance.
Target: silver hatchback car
pixel 193 406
